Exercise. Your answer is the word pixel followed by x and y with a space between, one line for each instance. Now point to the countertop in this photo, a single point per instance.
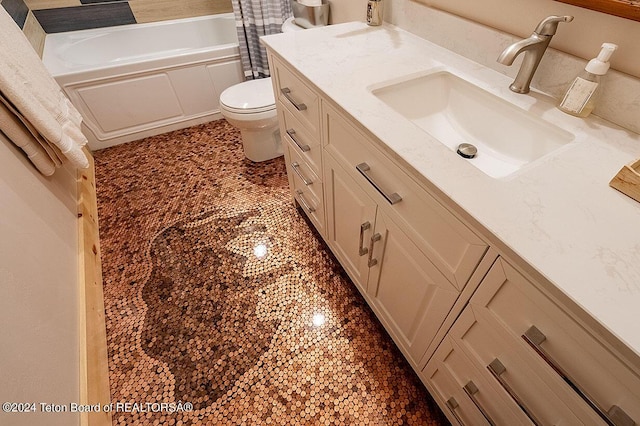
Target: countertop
pixel 558 214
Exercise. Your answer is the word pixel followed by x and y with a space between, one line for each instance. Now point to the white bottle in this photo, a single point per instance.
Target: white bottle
pixel 581 96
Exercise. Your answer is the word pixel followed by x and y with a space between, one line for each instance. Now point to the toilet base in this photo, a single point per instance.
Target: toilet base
pixel 262 144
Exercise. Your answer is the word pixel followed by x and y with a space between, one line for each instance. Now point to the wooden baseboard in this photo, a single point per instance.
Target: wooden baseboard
pixel 94 369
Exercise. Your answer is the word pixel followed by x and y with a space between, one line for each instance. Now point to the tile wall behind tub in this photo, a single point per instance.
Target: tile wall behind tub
pixel 70 15
pixel 19 11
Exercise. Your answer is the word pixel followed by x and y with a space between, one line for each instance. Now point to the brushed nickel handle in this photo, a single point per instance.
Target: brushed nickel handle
pixel 374 238
pixel 452 404
pixel 292 135
pixel 615 416
pixel 393 198
pixel 304 203
pixel 497 368
pixel 287 94
pixel 471 390
pixel 363 250
pixel 296 168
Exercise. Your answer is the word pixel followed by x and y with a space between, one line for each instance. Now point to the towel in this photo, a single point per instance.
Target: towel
pixel 42 114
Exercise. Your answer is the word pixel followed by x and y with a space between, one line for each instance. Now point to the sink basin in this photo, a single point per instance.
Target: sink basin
pixel 455 111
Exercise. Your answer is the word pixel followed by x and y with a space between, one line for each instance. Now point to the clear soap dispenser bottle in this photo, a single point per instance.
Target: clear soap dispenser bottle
pixel 581 96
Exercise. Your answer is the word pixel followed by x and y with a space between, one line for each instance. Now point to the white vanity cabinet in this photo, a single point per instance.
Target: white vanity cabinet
pixel 408 256
pixel 491 344
pixel 406 291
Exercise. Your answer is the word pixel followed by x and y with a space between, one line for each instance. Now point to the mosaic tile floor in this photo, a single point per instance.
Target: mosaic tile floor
pixel 218 294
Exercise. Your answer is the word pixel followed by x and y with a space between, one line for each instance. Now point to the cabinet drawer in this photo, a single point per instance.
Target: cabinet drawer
pixel 451 374
pixel 451 246
pixel 544 400
pixel 297 97
pixel 307 189
pixel 515 304
pixel 304 143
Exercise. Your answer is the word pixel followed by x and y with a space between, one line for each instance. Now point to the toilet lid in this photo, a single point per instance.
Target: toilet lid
pixel 249 97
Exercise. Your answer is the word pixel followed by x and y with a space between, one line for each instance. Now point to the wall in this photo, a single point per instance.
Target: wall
pixel 25 19
pixel 620 100
pixel 70 15
pixel 582 37
pixel 39 353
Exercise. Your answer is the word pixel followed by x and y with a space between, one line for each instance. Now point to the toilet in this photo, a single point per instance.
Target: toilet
pixel 251 107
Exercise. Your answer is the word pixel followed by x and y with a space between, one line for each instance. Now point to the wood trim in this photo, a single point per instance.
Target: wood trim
pixel 94 369
pixel 629 9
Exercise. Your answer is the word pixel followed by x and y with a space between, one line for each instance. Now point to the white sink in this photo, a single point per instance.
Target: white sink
pixel 455 111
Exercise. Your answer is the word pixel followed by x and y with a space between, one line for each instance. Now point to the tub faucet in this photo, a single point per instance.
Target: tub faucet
pixel 533 48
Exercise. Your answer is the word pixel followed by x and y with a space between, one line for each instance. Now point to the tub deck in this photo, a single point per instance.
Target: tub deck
pixel 139 80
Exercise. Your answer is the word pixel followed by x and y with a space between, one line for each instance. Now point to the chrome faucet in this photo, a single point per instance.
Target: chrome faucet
pixel 533 48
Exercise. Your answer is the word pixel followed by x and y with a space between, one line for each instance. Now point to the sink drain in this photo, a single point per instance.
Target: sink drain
pixel 466 150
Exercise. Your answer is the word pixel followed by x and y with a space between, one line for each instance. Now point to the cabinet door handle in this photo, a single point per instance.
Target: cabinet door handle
pixel 497 368
pixel 452 404
pixel 614 417
pixel 392 198
pixel 287 94
pixel 374 238
pixel 292 135
pixel 363 250
pixel 471 390
pixel 304 203
pixel 296 168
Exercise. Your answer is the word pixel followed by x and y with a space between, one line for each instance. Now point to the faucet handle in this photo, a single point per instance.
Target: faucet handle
pixel 549 25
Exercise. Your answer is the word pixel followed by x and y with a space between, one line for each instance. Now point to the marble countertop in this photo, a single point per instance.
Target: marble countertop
pixel 558 214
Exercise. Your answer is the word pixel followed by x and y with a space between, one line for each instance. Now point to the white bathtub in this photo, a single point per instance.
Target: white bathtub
pixel 139 80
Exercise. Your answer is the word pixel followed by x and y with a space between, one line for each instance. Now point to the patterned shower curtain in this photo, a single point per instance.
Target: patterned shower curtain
pixel 255 18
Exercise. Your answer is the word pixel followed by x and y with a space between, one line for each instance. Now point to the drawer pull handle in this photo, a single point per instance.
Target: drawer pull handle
pixel 497 368
pixel 614 417
pixel 374 238
pixel 363 250
pixel 393 198
pixel 292 135
pixel 287 94
pixel 471 390
pixel 304 203
pixel 296 168
pixel 452 404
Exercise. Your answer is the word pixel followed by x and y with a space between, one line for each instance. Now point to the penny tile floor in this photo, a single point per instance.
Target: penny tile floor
pixel 219 294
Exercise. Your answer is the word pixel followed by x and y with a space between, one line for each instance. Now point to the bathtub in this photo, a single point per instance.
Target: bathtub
pixel 139 80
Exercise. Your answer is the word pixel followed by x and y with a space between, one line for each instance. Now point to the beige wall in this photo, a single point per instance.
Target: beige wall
pixel 39 353
pixel 582 37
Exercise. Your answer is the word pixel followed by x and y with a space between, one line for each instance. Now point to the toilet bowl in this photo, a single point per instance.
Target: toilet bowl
pixel 251 107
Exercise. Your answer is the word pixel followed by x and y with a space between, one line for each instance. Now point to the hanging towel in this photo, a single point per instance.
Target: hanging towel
pixel 44 123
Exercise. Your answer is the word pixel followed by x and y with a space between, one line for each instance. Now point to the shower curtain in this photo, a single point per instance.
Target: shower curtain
pixel 255 18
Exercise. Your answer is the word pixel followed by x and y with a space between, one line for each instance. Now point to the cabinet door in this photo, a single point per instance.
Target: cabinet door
pixel 410 293
pixel 350 221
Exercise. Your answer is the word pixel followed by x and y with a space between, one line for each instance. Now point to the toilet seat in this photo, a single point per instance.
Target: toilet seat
pixel 249 97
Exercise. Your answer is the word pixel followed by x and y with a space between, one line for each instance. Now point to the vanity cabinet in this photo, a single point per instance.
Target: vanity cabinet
pixel 492 345
pixel 535 354
pixel 408 256
pixel 403 287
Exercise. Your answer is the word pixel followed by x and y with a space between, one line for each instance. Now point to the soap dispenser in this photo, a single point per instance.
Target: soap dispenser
pixel 581 96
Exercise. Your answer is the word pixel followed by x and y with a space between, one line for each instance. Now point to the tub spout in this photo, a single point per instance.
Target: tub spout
pixel 533 48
